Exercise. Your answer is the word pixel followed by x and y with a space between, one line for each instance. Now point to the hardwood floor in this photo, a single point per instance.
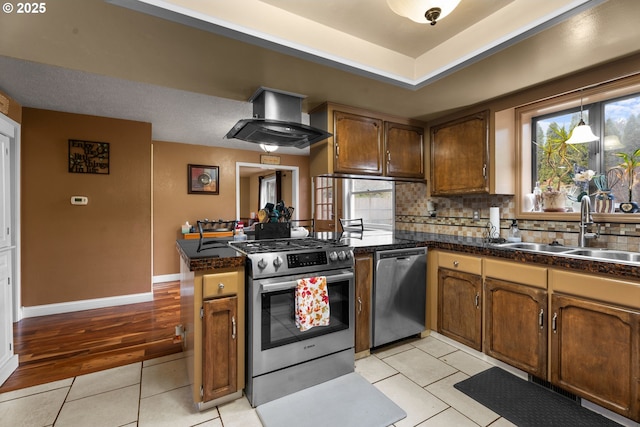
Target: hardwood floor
pixel 60 346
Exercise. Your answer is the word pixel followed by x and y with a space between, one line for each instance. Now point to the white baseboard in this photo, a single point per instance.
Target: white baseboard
pixel 166 278
pixel 68 307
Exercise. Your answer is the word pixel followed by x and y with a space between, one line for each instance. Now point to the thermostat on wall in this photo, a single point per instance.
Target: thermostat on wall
pixel 79 200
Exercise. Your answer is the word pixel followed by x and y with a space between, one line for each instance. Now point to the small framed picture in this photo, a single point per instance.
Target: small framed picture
pixel 203 179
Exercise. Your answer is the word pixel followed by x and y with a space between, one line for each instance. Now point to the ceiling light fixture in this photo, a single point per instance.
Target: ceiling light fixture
pixel 268 148
pixel 581 133
pixel 423 11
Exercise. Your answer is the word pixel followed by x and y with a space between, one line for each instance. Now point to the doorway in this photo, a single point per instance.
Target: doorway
pixel 247 195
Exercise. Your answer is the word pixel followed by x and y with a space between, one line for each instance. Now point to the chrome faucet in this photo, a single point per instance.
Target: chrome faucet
pixel 585 221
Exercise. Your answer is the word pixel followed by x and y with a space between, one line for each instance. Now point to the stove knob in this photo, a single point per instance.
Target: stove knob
pixel 348 254
pixel 262 264
pixel 333 257
pixel 277 262
pixel 341 256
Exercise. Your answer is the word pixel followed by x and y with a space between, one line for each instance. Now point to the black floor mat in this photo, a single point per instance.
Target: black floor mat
pixel 525 403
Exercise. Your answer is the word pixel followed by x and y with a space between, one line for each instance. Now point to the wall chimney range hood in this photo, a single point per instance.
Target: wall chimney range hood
pixel 277 120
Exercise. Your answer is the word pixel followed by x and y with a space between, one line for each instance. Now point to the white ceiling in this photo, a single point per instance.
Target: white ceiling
pixel 189 66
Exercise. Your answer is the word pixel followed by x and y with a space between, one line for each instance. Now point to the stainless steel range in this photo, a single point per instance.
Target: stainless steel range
pixel 280 358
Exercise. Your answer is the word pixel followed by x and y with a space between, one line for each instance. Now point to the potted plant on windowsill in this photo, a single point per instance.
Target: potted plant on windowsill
pixel 558 159
pixel 626 170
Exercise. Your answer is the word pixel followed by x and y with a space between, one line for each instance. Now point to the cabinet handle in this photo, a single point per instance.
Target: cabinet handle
pixel 337 150
pixel 541 318
pixel 388 156
pixel 477 300
pixel 233 327
pixel 359 305
pixel 221 286
pixel 456 264
pixel 484 171
pixel 554 323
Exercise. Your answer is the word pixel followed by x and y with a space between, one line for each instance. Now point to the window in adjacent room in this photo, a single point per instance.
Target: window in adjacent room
pixel 323 198
pixel 268 190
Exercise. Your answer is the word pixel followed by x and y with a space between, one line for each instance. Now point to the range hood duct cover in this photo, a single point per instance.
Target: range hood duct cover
pixel 277 120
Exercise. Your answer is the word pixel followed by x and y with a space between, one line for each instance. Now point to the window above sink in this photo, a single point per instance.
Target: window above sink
pixel 611 110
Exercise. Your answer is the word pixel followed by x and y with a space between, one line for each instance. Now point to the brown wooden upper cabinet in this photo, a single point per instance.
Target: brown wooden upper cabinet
pixel 404 150
pixel 357 144
pixel 460 156
pixel 367 143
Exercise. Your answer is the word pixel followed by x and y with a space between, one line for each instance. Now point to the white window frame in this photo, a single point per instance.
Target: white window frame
pixel 348 206
pixel 524 115
pixel 268 182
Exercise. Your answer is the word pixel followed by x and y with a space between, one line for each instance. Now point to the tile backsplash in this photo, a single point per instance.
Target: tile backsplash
pixel 454 216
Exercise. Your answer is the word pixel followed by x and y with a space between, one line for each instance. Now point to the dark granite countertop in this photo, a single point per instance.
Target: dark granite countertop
pixel 215 253
pixel 219 255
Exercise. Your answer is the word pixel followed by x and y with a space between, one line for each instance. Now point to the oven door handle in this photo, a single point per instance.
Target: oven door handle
pixel 275 287
pixel 266 288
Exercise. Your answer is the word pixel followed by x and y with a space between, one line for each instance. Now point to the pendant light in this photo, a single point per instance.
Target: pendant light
pixel 581 133
pixel 423 11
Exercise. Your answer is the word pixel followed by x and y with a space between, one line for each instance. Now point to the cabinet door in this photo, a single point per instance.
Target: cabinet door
pixel 460 307
pixel 459 156
pixel 357 144
pixel 595 353
pixel 515 329
pixel 404 150
pixel 220 347
pixel 364 280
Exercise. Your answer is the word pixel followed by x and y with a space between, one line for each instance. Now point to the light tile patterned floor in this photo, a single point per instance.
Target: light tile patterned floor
pixel 417 375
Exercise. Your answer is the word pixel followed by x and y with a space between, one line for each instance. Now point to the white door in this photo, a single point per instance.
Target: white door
pixel 8 360
pixel 5 194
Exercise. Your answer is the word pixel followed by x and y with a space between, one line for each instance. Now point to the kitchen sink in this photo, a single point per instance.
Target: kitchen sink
pixel 596 254
pixel 605 254
pixel 536 247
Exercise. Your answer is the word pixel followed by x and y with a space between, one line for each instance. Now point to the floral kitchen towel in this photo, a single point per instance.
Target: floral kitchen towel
pixel 312 303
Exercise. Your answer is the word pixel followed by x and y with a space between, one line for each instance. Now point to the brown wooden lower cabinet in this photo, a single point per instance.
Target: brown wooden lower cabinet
pixel 595 353
pixel 220 347
pixel 460 307
pixel 364 281
pixel 516 325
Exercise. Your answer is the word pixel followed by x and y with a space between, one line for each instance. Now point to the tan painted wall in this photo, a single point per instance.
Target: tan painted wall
pixel 72 253
pixel 245 202
pixel 173 206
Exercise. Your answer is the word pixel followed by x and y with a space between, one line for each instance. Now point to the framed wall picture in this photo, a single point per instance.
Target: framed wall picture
pixel 88 157
pixel 203 179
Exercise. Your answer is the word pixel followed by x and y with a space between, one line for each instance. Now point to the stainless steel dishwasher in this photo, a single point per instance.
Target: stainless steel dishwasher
pixel 399 294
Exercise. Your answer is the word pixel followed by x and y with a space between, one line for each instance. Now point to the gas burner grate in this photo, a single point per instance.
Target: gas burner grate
pixel 284 245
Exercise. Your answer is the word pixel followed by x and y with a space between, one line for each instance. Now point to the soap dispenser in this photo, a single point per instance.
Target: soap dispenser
pixel 514 232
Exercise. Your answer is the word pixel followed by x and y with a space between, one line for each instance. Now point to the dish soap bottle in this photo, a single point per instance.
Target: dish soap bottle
pixel 514 232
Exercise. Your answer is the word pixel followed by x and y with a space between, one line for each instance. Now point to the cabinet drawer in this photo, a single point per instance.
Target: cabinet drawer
pixel 220 284
pixel 516 272
pixel 614 291
pixel 467 263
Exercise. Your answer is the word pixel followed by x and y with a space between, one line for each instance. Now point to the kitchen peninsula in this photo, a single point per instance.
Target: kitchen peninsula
pixel 212 298
pixel 571 298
